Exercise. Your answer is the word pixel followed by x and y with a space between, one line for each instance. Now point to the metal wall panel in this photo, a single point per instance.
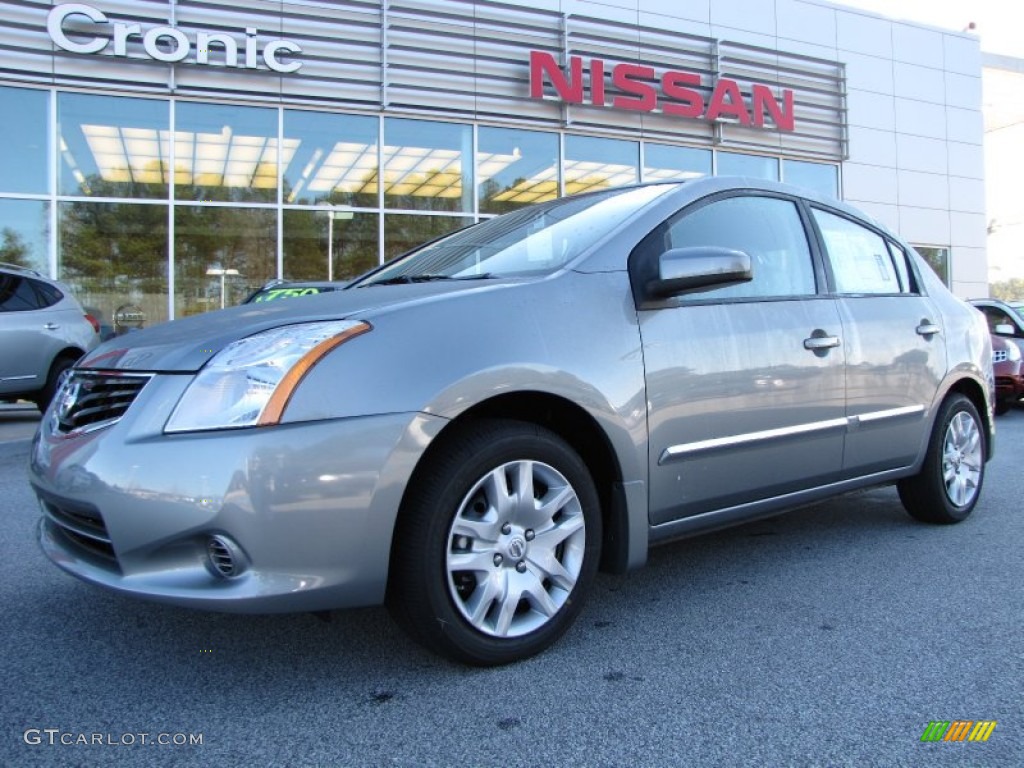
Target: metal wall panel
pixel 455 59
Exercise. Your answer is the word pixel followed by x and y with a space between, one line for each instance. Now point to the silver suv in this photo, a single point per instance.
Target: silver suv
pixel 43 331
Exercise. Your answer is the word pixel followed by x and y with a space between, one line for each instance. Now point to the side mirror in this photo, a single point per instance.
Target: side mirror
pixel 688 270
pixel 1004 329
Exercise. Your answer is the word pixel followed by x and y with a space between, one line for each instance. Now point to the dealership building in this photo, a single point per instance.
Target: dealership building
pixel 173 155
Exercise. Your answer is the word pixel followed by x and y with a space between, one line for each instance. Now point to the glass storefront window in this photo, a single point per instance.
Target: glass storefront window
pixel 333 159
pixel 114 257
pixel 227 153
pixel 820 177
pixel 755 166
pixel 23 155
pixel 516 168
pixel 403 232
pixel 666 163
pixel 592 163
pixel 221 255
pixel 112 146
pixel 428 165
pixel 23 234
pixel 315 238
pixel 937 258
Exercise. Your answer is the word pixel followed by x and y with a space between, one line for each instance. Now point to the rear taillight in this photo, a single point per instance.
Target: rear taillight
pixel 93 322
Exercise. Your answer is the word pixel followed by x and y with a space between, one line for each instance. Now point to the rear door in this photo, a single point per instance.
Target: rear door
pixel 895 353
pixel 28 345
pixel 745 384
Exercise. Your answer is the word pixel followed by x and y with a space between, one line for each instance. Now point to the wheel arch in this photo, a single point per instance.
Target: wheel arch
pixel 974 391
pixel 585 435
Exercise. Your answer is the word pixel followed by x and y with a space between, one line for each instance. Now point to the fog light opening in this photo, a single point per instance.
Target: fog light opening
pixel 223 557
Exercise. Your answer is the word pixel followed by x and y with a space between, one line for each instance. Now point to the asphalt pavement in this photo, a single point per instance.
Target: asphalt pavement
pixel 830 636
pixel 18 422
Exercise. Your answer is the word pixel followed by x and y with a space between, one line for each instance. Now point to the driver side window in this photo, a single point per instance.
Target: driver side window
pixel 768 229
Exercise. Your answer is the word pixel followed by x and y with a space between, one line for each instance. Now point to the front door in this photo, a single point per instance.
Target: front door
pixel 745 384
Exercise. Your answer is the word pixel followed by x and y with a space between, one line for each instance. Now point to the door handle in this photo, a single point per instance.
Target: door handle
pixel 927 328
pixel 51 326
pixel 818 343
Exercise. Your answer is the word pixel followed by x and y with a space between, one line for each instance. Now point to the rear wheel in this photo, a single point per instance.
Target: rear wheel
pixel 949 483
pixel 497 544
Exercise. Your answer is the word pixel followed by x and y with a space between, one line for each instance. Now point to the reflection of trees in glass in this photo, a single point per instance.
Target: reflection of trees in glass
pixel 13 249
pixel 1008 290
pixel 490 189
pixel 402 232
pixel 938 260
pixel 306 250
pixel 243 239
pixel 114 254
pixel 211 188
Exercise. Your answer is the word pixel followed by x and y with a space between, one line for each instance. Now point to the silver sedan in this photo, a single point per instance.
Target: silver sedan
pixel 470 431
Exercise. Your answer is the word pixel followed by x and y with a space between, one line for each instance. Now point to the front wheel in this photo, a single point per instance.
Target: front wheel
pixel 497 544
pixel 949 483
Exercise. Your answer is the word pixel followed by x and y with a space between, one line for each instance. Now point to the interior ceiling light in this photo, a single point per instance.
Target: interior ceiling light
pixel 223 159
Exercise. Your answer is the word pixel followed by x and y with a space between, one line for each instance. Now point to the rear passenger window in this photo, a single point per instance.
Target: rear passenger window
pixel 768 229
pixel 48 295
pixel 860 259
pixel 16 294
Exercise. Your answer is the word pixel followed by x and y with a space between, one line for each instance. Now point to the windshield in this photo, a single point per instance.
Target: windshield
pixel 532 241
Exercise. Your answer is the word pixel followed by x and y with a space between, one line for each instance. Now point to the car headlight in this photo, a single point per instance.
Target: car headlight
pixel 250 381
pixel 1012 352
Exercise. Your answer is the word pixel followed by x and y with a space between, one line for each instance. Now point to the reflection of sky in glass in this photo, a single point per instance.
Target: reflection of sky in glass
pixel 27 218
pixel 666 163
pixel 429 160
pixel 102 136
pixel 817 176
pixel 23 149
pixel 755 166
pixel 226 146
pixel 592 163
pixel 516 166
pixel 332 152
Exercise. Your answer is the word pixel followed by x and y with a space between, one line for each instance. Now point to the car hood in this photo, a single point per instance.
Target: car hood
pixel 184 346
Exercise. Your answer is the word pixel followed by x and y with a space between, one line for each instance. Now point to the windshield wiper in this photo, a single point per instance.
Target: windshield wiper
pixel 427 278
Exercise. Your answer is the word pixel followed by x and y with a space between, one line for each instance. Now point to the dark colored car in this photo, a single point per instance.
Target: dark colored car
pixel 1008 366
pixel 280 289
pixel 1003 319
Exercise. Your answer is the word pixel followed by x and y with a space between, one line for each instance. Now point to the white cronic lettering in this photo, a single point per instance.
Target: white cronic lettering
pixel 205 39
pixel 250 48
pixel 55 26
pixel 270 56
pixel 181 44
pixel 167 44
pixel 121 34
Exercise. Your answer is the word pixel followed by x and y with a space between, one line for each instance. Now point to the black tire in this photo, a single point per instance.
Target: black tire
pixel 53 381
pixel 462 613
pixel 1003 407
pixel 949 483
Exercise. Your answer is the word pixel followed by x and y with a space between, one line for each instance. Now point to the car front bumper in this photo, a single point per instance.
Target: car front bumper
pixel 304 511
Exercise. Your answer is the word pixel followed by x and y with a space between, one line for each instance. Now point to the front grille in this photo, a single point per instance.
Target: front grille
pixel 95 399
pixel 81 524
pixel 1000 356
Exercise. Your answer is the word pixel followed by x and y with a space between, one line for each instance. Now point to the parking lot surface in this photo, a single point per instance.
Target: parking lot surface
pixel 831 636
